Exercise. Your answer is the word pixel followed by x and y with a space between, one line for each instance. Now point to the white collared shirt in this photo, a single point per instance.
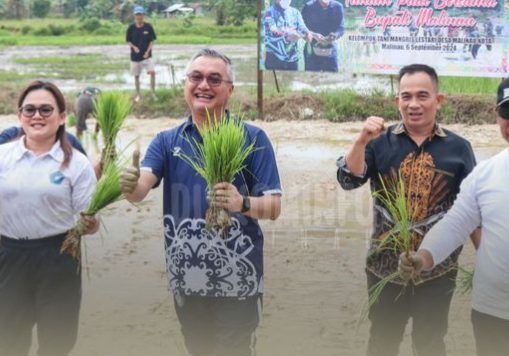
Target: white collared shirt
pixel 483 200
pixel 37 198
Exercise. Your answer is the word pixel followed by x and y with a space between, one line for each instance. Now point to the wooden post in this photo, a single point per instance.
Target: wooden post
pixel 172 70
pixel 260 72
pixel 275 80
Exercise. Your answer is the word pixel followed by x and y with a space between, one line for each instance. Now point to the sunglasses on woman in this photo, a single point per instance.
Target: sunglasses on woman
pixel 29 110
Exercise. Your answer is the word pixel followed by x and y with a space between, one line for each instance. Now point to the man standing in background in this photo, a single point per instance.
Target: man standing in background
pixel 140 38
pixel 325 19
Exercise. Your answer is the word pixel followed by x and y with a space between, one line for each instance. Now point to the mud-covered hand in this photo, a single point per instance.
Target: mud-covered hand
pixel 410 265
pixel 130 175
pixel 226 196
pixel 90 224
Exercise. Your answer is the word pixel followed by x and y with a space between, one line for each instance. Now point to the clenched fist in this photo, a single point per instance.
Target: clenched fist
pixel 372 128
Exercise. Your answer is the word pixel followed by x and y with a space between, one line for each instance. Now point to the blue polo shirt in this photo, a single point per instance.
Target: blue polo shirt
pixel 200 262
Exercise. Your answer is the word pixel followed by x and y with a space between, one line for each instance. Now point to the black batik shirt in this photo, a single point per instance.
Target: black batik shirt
pixel 432 174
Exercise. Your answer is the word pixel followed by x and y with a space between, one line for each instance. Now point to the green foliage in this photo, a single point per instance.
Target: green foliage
pixel 394 199
pixel 107 191
pixel 168 102
pixel 71 120
pixel 233 11
pixel 465 280
pixel 111 110
pixel 222 154
pixel 188 20
pixel 90 24
pixel 469 85
pixel 90 30
pixel 25 30
pixel 41 8
pixel 219 158
pixel 348 105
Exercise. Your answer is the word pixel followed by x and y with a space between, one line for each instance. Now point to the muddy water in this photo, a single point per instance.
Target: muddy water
pixel 314 258
pixel 170 62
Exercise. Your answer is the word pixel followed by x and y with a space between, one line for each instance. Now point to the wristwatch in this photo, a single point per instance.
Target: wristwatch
pixel 246 204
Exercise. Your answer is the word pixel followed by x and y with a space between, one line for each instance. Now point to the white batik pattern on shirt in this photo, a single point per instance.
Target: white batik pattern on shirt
pixel 200 263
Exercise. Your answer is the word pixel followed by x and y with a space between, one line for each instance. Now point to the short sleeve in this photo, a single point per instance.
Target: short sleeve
pixel 128 34
pixel 83 188
pixel 154 37
pixel 154 158
pixel 9 134
pixel 263 168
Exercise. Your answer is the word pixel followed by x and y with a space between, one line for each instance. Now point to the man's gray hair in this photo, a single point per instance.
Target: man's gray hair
pixel 212 53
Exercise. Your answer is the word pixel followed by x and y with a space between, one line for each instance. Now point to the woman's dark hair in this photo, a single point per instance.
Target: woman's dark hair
pixel 59 98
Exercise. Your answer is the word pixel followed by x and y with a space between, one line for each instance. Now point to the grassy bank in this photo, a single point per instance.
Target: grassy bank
pixel 468 100
pixel 69 32
pixel 335 106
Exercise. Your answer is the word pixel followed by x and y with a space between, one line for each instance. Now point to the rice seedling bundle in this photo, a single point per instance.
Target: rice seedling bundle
pixel 399 237
pixel 111 110
pixel 465 280
pixel 107 191
pixel 219 158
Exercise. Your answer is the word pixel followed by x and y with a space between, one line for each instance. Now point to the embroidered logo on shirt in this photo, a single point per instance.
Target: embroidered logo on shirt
pixel 56 177
pixel 176 151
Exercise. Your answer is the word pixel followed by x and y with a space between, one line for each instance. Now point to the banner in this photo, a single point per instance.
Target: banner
pixel 456 37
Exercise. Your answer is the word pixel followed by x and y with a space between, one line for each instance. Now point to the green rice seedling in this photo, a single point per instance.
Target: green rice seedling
pixel 111 110
pixel 107 191
pixel 219 158
pixel 465 280
pixel 71 120
pixel 399 237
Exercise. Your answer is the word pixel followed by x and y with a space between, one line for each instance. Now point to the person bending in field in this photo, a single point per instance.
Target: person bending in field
pixel 216 278
pixel 432 162
pixel 84 107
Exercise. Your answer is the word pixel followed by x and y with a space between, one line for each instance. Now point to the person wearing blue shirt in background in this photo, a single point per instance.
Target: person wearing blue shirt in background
pixel 15 132
pixel 325 19
pixel 216 277
pixel 283 26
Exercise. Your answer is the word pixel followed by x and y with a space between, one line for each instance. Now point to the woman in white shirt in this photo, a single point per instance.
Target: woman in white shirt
pixel 44 185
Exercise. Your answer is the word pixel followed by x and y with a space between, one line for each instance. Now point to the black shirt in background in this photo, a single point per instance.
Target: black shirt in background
pixel 141 38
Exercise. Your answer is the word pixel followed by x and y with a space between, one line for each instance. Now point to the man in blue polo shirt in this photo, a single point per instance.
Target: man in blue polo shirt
pixel 325 18
pixel 283 26
pixel 216 280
